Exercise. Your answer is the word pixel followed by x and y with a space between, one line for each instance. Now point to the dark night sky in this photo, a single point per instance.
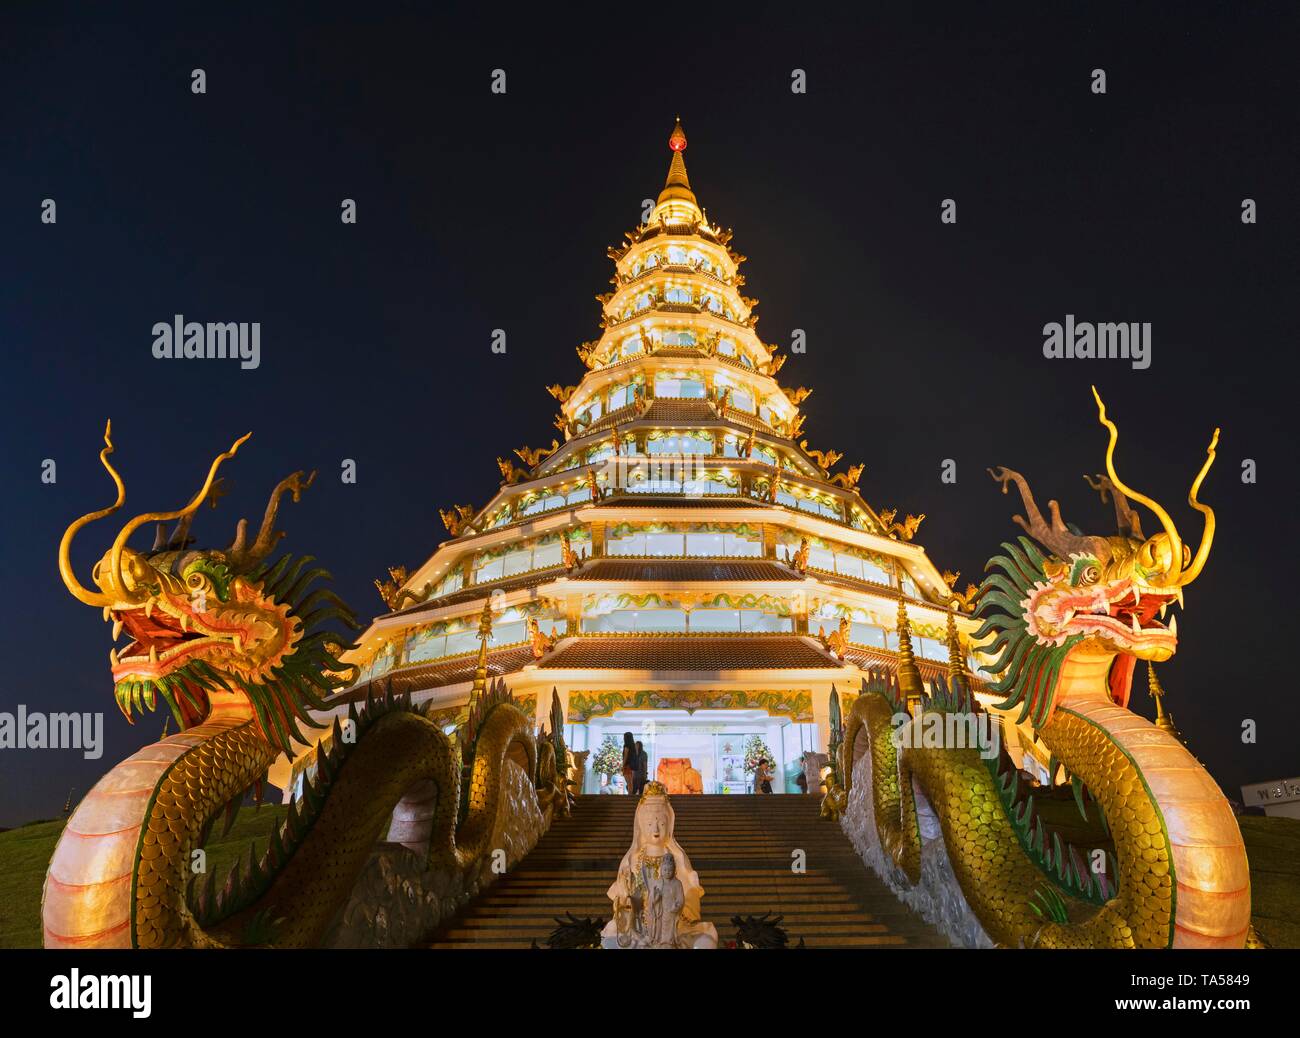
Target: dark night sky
pixel 479 211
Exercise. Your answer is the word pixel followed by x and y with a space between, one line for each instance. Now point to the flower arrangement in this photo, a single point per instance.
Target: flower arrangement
pixel 608 759
pixel 755 751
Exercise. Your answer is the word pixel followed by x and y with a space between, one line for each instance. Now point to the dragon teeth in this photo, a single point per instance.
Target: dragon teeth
pixel 185 622
pixel 108 612
pixel 1137 596
pixel 112 657
pixel 153 654
pixel 117 629
pixel 1164 608
pixel 148 609
pixel 238 642
pixel 1179 599
pixel 1137 628
pixel 1173 626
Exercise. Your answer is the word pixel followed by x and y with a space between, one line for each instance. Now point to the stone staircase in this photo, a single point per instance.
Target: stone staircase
pixel 741 846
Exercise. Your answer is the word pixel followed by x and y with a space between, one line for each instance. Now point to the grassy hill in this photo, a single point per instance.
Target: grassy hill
pixel 1272 843
pixel 25 853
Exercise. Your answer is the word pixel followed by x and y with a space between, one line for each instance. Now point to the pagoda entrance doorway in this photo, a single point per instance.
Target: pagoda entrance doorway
pixel 698 752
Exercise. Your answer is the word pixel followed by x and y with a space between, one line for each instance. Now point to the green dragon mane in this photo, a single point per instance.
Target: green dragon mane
pixel 1028 667
pixel 296 685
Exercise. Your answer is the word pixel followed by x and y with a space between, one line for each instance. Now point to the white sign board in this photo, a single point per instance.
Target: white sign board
pixel 1267 794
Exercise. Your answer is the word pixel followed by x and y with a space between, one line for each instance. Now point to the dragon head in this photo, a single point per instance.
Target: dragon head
pixel 214 628
pixel 1099 595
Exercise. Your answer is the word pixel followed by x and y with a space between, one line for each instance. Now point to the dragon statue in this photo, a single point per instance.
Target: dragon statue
pixel 458 520
pixel 1156 859
pixel 848 480
pixel 825 460
pixel 239 650
pixel 905 530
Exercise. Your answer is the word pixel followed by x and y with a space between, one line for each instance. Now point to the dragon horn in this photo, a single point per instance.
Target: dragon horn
pixel 1207 537
pixel 91 598
pixel 115 573
pixel 1175 541
pixel 267 536
pixel 1127 521
pixel 1056 536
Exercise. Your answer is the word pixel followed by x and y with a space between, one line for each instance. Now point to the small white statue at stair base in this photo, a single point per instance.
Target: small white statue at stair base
pixel 657 894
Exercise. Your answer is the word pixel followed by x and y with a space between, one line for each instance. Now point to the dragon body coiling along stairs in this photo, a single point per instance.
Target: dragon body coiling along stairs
pixel 239 650
pixel 956 830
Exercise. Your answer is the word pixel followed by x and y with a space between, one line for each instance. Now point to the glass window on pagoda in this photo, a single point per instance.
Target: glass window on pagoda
pixel 930 649
pixel 742 400
pixel 631 345
pixel 624 394
pixel 680 338
pixel 458 637
pixel 732 443
pixel 519 558
pixel 453 581
pixel 590 413
pixel 682 388
pixel 677 294
pixel 908 585
pixel 744 621
pixel 868 634
pixel 679 443
pixel 807 504
pixel 696 544
pixel 678 621
pixel 860 569
pixel 860 631
pixel 558 498
pixel 676 254
pixel 723 545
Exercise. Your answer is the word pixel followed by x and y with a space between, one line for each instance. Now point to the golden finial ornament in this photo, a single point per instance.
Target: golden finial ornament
pixel 956 658
pixel 1164 721
pixel 909 675
pixel 653 789
pixel 677 188
pixel 484 633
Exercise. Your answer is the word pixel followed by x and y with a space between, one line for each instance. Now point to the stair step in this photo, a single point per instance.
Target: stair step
pixel 740 846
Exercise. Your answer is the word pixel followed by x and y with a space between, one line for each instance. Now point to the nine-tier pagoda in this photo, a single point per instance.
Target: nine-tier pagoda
pixel 678 550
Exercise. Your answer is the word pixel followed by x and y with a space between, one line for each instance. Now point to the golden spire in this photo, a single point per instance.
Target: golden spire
pixel 956 658
pixel 676 202
pixel 484 633
pixel 1164 721
pixel 909 675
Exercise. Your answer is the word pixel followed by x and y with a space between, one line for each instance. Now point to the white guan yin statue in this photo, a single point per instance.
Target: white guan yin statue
pixel 657 894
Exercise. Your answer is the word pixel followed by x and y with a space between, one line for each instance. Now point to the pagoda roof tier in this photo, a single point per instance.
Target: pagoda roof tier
pixel 674 570
pixel 693 653
pixel 865 657
pixel 683 509
pixel 478 592
pixel 424 676
pixel 602 657
pixel 692 414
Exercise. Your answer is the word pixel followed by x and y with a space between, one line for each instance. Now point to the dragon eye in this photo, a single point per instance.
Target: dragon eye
pixel 1090 575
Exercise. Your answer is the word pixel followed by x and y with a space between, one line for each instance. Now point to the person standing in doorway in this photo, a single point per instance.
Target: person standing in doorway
pixel 763 777
pixel 629 761
pixel 642 769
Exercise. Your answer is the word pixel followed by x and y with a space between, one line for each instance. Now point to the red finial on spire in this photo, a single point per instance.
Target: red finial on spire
pixel 677 142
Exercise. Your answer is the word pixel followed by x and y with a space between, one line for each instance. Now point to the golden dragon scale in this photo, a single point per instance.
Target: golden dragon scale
pixel 1066 617
pixel 237 647
pixel 122 870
